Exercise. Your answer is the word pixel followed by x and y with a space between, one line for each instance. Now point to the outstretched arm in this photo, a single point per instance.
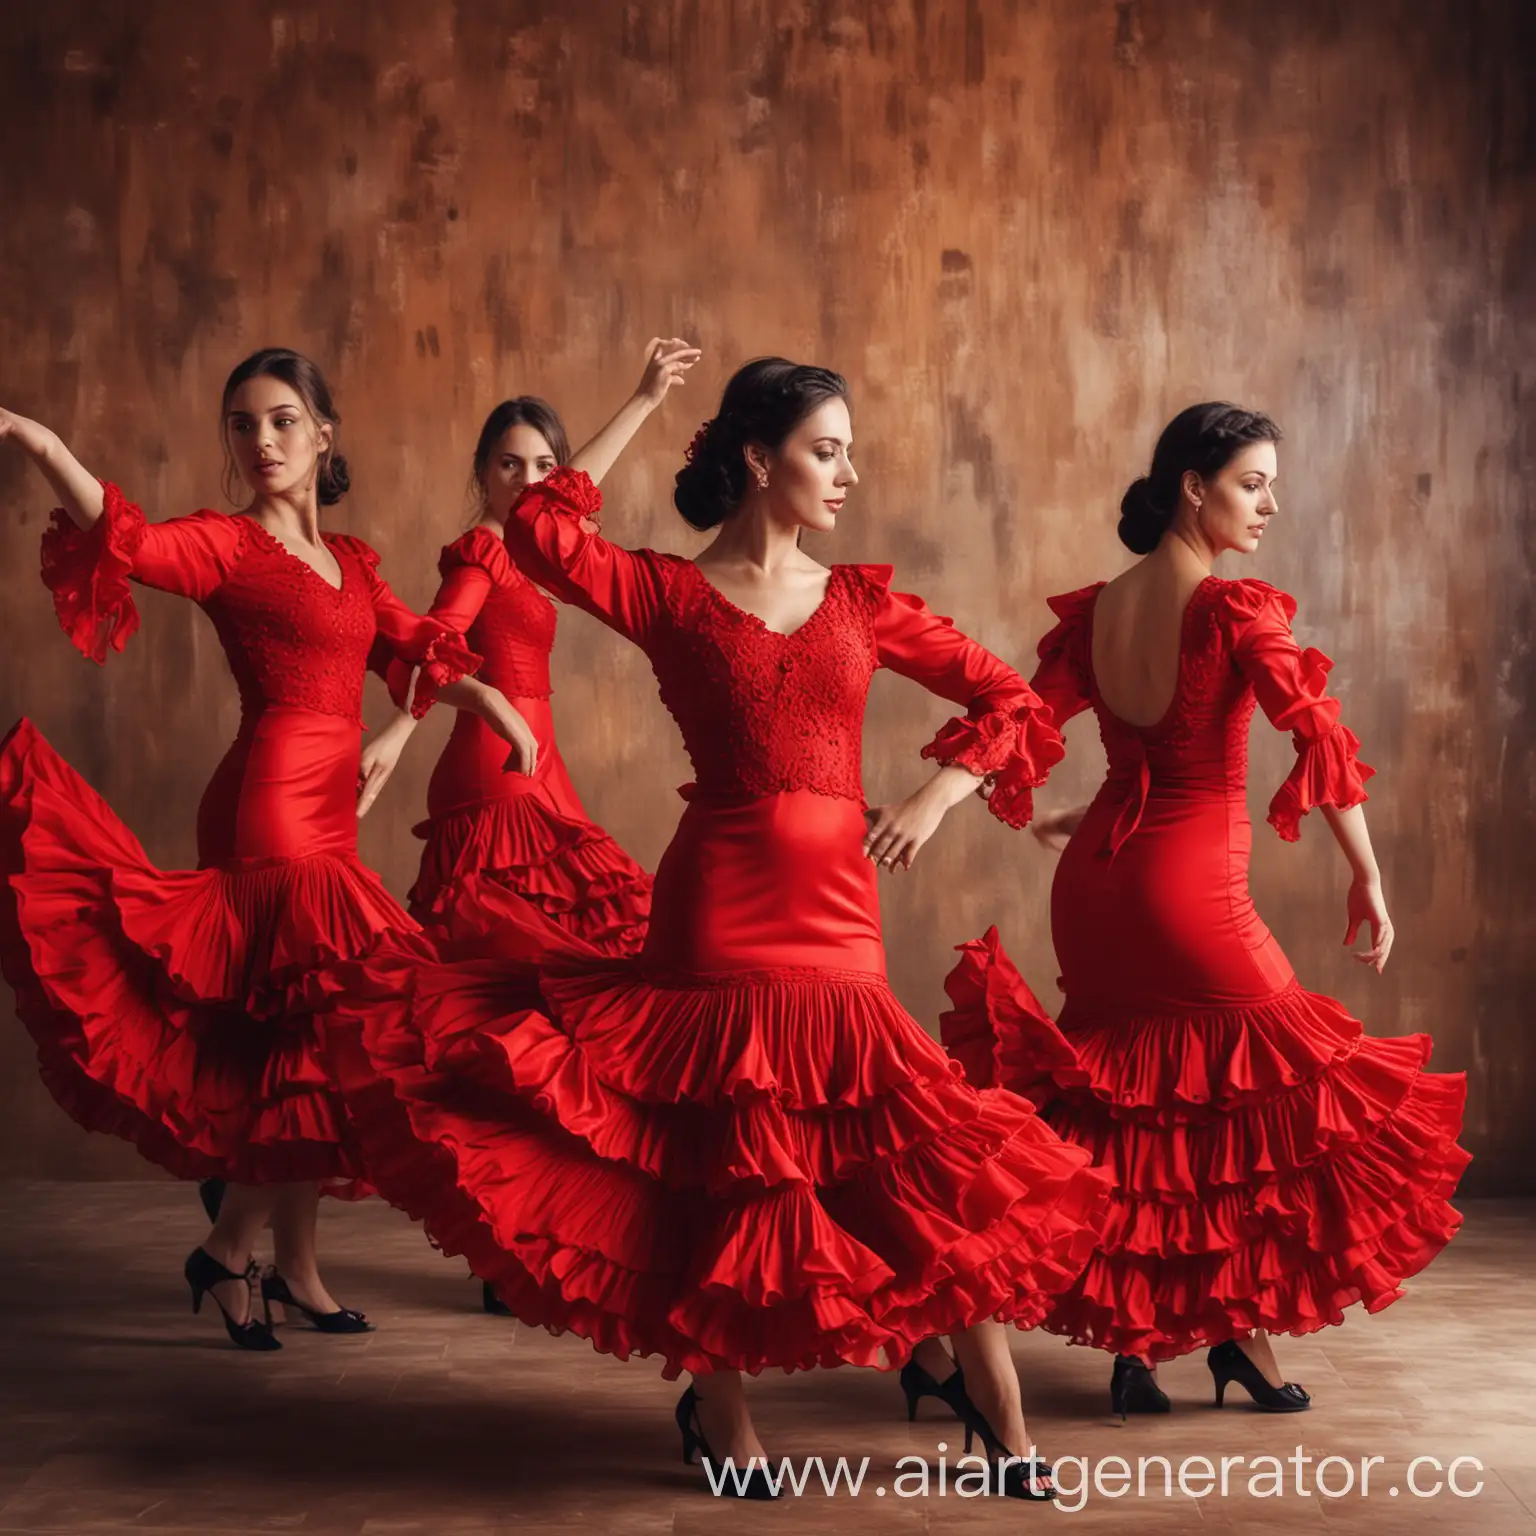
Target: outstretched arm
pixel 78 490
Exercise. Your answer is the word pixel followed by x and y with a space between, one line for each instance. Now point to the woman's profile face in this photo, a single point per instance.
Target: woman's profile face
pixel 1236 504
pixel 811 471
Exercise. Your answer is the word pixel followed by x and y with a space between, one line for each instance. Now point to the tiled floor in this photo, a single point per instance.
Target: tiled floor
pixel 121 1412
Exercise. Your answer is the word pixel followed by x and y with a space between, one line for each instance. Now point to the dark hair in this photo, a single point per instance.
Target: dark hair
pixel 308 383
pixel 525 411
pixel 1205 439
pixel 764 402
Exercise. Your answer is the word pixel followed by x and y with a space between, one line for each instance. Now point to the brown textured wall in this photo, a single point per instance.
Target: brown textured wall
pixel 1028 232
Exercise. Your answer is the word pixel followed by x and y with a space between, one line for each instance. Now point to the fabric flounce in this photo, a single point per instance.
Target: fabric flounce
pixel 570 492
pixel 1328 769
pixel 997 1030
pixel 1064 647
pixel 441 657
pixel 87 570
pixel 1273 1165
pixel 771 1169
pixel 570 869
pixel 177 1009
pixel 1013 749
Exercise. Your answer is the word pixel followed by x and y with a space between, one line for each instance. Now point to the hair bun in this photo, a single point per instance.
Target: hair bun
pixel 763 403
pixel 1143 520
pixel 334 480
pixel 713 476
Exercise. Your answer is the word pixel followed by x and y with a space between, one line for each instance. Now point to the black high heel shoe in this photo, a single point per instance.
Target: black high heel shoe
pixel 1020 1474
pixel 342 1320
pixel 756 1485
pixel 493 1303
pixel 203 1272
pixel 1134 1389
pixel 916 1384
pixel 211 1193
pixel 1228 1363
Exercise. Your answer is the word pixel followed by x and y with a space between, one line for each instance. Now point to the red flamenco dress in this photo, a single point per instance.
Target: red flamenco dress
pixel 1273 1164
pixel 735 1150
pixel 530 835
pixel 176 1009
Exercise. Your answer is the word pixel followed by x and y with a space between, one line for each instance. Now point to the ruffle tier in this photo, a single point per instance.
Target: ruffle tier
pixel 1272 1165
pixel 770 1169
pixel 571 870
pixel 177 1010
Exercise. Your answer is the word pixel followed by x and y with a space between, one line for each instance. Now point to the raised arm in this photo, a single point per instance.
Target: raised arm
pixel 78 490
pixel 552 536
pixel 98 540
pixel 666 364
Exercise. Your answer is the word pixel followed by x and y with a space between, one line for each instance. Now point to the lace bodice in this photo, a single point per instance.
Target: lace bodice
pixel 290 637
pixel 761 712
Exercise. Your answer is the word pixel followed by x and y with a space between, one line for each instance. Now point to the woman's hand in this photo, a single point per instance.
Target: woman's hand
pixel 379 759
pixel 666 363
pixel 509 724
pixel 1055 829
pixel 896 832
pixel 30 436
pixel 1366 905
pixel 493 707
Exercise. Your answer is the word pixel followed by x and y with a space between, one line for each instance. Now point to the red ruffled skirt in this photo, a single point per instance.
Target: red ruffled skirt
pixel 178 1009
pixel 1272 1163
pixel 761 1163
pixel 530 836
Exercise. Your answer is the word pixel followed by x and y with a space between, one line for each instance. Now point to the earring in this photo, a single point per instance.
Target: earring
pixel 762 479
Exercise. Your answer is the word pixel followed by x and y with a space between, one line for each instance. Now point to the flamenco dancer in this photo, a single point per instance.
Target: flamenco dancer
pixel 736 1151
pixel 1273 1164
pixel 177 1009
pixel 528 833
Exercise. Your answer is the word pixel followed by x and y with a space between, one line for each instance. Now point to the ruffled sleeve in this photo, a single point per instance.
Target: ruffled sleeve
pixel 1064 678
pixel 552 536
pixel 434 655
pixel 1006 737
pixel 1291 687
pixel 472 567
pixel 88 569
